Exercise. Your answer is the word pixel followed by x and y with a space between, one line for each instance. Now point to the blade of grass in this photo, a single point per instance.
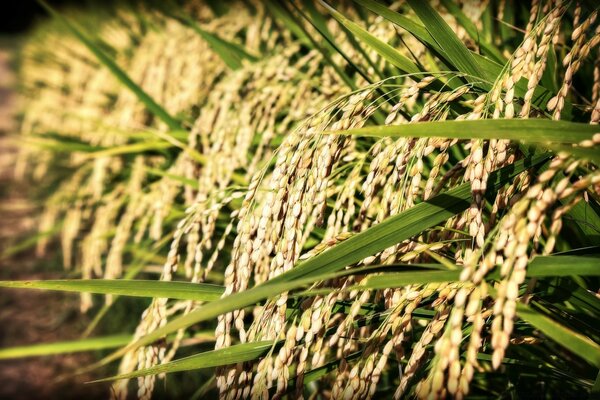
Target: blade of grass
pixel 215 358
pixel 89 344
pixel 402 21
pixel 74 346
pixel 453 47
pixel 491 69
pixel 59 145
pixel 318 22
pixel 383 49
pixel 129 149
pixel 282 15
pixel 30 241
pixel 139 261
pixel 291 19
pixel 471 29
pixel 232 54
pixel 318 17
pixel 182 179
pixel 135 288
pixel 541 266
pixel 526 130
pixel 575 342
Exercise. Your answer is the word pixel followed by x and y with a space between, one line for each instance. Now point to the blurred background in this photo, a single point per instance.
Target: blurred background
pixel 28 318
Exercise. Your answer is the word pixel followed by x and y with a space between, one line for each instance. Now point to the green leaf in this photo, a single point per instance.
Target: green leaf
pixel 491 69
pixel 135 288
pixel 453 47
pixel 539 131
pixel 178 178
pixel 232 54
pixel 388 233
pixel 400 279
pixel 281 14
pixel 564 266
pixel 318 22
pixel 541 266
pixel 471 29
pixel 30 241
pixel 88 344
pixel 415 28
pixel 383 49
pixel 46 349
pixel 132 148
pixel 58 145
pixel 215 358
pixel 585 219
pixel 575 342
pixel 507 23
pixel 119 73
pixel 289 18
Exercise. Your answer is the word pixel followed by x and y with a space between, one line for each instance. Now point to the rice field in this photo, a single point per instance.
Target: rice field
pixel 319 200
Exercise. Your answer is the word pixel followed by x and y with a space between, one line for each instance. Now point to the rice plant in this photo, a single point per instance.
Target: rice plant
pixel 346 199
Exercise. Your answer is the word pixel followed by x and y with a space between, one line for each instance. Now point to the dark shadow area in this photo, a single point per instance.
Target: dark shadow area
pixel 18 16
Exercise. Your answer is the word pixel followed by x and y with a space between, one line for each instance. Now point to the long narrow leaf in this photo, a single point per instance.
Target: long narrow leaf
pixel 290 20
pixel 577 343
pixel 46 349
pixel 453 47
pixel 232 54
pixel 88 344
pixel 471 29
pixel 135 288
pixel 132 148
pixel 385 50
pixel 526 130
pixel 178 178
pixel 215 358
pixel 490 69
pixel 539 267
pixel 564 266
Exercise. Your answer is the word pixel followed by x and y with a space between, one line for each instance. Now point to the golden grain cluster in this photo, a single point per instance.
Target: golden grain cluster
pixel 261 177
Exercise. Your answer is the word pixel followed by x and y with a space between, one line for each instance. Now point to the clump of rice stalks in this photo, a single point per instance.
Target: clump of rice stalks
pixel 387 196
